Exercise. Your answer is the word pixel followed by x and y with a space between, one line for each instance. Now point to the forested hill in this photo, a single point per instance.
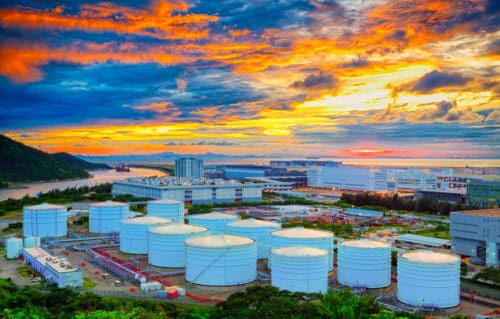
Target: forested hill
pixel 21 163
pixel 73 160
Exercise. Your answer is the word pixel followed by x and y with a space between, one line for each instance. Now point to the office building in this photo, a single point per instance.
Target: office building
pixel 189 167
pixel 476 234
pixel 190 191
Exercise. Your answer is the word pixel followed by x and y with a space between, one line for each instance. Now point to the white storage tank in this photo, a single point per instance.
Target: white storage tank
pixel 105 217
pixel 134 233
pixel 166 243
pixel 258 230
pixel 364 263
pixel 428 278
pixel 221 260
pixel 298 268
pixel 45 220
pixel 216 222
pixel 300 236
pixel 167 208
pixel 32 242
pixel 14 247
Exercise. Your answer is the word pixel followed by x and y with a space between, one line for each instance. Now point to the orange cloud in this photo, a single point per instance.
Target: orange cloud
pixel 159 21
pixel 157 107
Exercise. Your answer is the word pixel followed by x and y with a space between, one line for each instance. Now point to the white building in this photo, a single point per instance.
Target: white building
pixel 190 191
pixel 371 179
pixel 53 269
pixel 189 167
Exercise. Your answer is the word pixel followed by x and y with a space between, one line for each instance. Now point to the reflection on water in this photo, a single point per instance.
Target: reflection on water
pixel 99 177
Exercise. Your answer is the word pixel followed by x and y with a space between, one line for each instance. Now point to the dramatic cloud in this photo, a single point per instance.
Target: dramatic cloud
pixel 251 77
pixel 435 80
pixel 318 80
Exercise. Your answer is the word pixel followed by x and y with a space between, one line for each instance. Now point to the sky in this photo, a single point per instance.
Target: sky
pixel 406 78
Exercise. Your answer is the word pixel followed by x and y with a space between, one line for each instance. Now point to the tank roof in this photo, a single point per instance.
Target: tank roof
pixel 299 251
pixel 219 241
pixel 430 257
pixel 108 203
pixel 146 220
pixel 301 232
pixel 365 244
pixel 177 229
pixel 45 206
pixel 164 201
pixel 254 223
pixel 213 216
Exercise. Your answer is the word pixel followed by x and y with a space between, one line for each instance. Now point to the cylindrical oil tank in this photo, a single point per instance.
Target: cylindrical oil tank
pixel 166 243
pixel 216 222
pixel 105 217
pixel 167 208
pixel 221 260
pixel 300 236
pixel 298 268
pixel 429 278
pixel 134 233
pixel 45 220
pixel 31 242
pixel 258 230
pixel 14 247
pixel 364 263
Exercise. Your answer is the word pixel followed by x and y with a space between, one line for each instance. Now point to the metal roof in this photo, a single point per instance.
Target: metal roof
pixel 423 240
pixel 495 212
pixel 177 229
pixel 218 241
pixel 363 243
pixel 45 206
pixel 254 223
pixel 301 232
pixel 299 251
pixel 214 216
pixel 431 257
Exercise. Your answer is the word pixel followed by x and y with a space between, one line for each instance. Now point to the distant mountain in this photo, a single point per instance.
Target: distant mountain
pixel 73 160
pixel 21 163
pixel 155 158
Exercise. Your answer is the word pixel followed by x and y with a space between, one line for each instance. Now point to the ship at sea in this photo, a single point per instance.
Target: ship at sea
pixel 122 168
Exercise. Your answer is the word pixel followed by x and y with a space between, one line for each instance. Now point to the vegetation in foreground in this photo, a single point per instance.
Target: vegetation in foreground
pixel 259 302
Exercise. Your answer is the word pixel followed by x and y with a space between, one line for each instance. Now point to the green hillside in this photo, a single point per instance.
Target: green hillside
pixel 73 160
pixel 21 163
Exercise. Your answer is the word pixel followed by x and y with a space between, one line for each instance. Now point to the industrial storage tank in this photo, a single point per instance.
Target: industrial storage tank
pixel 105 217
pixel 300 236
pixel 364 263
pixel 221 260
pixel 429 279
pixel 216 222
pixel 298 268
pixel 167 208
pixel 32 242
pixel 134 233
pixel 166 243
pixel 258 230
pixel 45 220
pixel 14 247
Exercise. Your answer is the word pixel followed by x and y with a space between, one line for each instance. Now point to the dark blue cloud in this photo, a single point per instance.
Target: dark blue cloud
pixel 317 80
pixel 359 63
pixel 435 79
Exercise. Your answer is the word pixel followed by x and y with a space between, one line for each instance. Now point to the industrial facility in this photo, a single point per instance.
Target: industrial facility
pixel 45 220
pixel 220 250
pixel 105 217
pixel 221 260
pixel 216 222
pixel 188 190
pixel 429 279
pixel 364 264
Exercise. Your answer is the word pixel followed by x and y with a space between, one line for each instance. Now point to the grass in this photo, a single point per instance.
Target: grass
pixel 88 284
pixel 26 272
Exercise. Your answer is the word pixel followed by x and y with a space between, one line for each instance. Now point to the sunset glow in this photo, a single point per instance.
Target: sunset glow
pixel 325 78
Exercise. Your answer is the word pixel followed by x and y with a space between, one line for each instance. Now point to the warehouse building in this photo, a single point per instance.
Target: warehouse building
pixel 476 234
pixel 189 191
pixel 53 269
